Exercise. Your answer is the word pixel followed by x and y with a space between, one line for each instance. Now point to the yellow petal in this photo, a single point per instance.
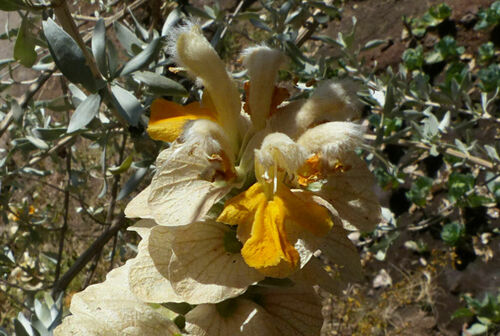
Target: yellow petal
pixel 268 249
pixel 168 118
pixel 302 210
pixel 269 228
pixel 240 210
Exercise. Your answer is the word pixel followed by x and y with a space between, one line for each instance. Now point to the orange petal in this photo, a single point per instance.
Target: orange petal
pixel 168 118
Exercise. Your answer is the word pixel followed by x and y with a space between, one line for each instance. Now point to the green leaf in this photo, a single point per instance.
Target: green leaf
pixel 49 134
pixel 490 77
pixel 43 313
pixel 99 47
pixel 171 20
pixel 413 58
pixel 77 95
pixel 260 24
pixel 84 113
pixel 141 59
pixel 127 39
pixel 132 183
pixel 127 104
pixel 12 5
pixel 419 190
pixel 143 31
pixel 452 233
pixel 5 62
pixel 24 49
pixel 477 329
pixel 68 56
pixel 462 312
pixel 39 143
pixel 123 167
pixel 161 85
pixel 22 326
pixel 459 185
pixel 372 44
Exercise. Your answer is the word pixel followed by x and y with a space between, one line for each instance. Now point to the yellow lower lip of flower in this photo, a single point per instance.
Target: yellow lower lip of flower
pixel 168 118
pixel 265 226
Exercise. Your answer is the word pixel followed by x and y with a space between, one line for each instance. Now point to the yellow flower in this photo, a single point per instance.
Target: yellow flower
pixel 218 145
pixel 268 225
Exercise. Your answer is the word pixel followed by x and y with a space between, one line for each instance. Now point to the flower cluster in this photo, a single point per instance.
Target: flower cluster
pixel 241 203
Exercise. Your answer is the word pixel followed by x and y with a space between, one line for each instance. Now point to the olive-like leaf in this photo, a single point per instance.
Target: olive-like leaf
pixel 68 56
pixel 127 39
pixel 99 47
pixel 127 104
pixel 141 59
pixel 77 95
pixel 132 183
pixel 170 21
pixel 160 84
pixel 24 49
pixel 84 113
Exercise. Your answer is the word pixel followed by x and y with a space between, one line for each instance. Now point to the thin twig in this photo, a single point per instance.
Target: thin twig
pixel 450 151
pixel 86 256
pixel 110 211
pixel 64 227
pixel 24 100
pixel 231 18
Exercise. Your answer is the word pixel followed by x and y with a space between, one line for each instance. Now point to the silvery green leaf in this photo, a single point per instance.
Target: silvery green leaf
pixel 17 111
pixel 160 84
pixel 49 134
pixel 84 113
pixel 99 47
pixel 36 172
pixel 461 146
pixel 22 326
pixel 68 56
pixel 39 143
pixel 197 12
pixel 445 122
pixel 5 62
pixel 24 48
pixel 492 152
pixel 127 104
pixel 372 44
pixel 141 59
pixel 127 39
pixel 112 59
pixel 259 24
pixel 477 329
pixel 172 18
pixel 77 95
pixel 132 183
pixel 143 31
pixel 43 313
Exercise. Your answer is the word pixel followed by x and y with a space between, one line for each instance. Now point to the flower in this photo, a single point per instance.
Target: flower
pixel 217 148
pixel 243 199
pixel 109 308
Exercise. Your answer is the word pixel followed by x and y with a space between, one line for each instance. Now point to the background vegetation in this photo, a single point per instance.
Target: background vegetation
pixel 76 82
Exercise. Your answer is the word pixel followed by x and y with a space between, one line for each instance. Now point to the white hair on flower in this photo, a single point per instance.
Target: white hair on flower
pixel 278 149
pixel 331 101
pixel 173 35
pixel 263 64
pixel 209 134
pixel 332 139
